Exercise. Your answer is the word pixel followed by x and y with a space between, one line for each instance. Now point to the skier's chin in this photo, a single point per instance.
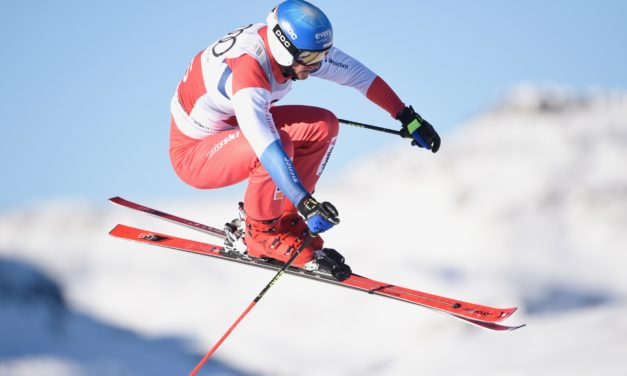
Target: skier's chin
pixel 302 76
pixel 302 72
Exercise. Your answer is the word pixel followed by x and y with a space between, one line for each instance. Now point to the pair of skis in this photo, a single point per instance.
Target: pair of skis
pixel 479 315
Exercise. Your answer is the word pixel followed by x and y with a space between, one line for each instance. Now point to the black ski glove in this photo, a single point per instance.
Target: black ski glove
pixel 419 129
pixel 320 217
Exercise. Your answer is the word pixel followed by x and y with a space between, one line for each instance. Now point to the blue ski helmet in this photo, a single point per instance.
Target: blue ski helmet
pixel 298 31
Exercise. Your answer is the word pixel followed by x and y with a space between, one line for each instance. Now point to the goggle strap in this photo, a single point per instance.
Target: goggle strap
pixel 278 32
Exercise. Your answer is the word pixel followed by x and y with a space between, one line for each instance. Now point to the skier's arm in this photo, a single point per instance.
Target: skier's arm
pixel 343 69
pixel 251 101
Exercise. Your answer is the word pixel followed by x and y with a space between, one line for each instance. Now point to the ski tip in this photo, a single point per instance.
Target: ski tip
pixel 490 325
pixel 498 327
pixel 518 327
pixel 503 328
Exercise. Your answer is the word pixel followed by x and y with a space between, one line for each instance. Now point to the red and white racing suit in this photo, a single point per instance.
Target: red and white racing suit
pixel 225 127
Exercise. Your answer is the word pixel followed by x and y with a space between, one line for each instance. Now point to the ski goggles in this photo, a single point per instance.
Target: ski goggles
pixel 303 57
pixel 310 57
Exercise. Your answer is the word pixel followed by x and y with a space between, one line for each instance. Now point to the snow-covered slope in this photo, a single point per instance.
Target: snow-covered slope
pixel 42 335
pixel 525 205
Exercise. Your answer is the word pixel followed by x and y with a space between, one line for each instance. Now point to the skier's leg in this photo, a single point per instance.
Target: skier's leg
pixel 313 132
pixel 217 161
pixel 225 159
pixel 262 200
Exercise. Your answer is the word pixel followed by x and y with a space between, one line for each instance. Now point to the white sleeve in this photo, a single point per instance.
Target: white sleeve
pixel 252 109
pixel 345 70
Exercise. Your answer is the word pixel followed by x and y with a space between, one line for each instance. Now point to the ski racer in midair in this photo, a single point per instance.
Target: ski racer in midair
pixel 226 127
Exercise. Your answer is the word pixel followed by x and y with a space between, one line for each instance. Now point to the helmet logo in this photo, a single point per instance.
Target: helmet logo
pixel 324 34
pixel 288 28
pixel 282 38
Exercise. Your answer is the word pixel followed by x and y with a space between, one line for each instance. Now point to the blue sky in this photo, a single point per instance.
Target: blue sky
pixel 85 86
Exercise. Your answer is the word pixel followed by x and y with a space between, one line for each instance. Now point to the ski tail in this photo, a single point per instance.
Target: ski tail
pixel 169 217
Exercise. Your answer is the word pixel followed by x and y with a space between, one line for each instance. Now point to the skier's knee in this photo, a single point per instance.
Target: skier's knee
pixel 329 124
pixel 286 141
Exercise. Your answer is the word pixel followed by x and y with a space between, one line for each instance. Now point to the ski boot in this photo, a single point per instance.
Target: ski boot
pixel 330 261
pixel 275 239
pixel 325 259
pixel 295 224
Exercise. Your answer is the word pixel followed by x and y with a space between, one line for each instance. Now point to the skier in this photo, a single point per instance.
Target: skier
pixel 226 128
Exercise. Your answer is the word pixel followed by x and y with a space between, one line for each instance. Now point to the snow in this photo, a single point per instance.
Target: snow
pixel 41 335
pixel 524 205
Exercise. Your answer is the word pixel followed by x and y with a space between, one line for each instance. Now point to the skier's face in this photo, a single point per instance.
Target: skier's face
pixel 301 72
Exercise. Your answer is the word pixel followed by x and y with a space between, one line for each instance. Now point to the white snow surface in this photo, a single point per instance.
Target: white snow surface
pixel 525 205
pixel 42 335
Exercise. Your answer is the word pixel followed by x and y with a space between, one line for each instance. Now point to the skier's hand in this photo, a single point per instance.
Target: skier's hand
pixel 419 129
pixel 320 217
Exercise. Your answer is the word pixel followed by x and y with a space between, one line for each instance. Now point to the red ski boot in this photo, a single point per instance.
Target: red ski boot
pixel 279 239
pixel 297 226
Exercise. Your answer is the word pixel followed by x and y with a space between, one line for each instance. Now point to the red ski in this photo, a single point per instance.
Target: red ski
pixel 479 315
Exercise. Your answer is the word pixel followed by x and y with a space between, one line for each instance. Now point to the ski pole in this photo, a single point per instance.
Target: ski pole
pixel 372 127
pixel 253 303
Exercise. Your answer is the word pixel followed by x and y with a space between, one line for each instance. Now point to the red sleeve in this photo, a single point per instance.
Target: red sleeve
pixel 382 94
pixel 247 73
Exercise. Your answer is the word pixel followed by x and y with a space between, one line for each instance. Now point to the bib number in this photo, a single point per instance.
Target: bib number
pixel 227 42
